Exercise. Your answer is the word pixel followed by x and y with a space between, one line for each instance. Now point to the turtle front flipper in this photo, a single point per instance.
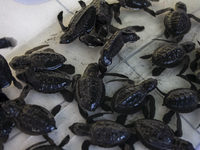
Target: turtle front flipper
pixel 86 144
pixel 146 56
pixel 164 10
pixel 82 4
pixel 55 110
pixel 168 116
pixel 151 12
pixel 116 10
pixel 179 131
pixel 67 95
pixel 192 78
pixel 60 20
pixel 68 68
pixel 157 71
pixel 35 49
pixel 194 17
pixel 186 61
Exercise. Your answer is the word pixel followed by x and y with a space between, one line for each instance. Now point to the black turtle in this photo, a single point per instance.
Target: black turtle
pixel 45 82
pixel 177 21
pixel 89 89
pixel 135 5
pixel 169 56
pixel 39 60
pixel 132 98
pixel 115 43
pixel 156 135
pixel 81 23
pixel 103 133
pixel 180 100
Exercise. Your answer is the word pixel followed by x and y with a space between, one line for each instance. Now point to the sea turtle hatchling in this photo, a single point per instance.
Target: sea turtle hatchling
pixel 40 59
pixel 170 55
pixel 177 21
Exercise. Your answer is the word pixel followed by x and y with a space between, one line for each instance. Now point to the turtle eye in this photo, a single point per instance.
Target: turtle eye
pixel 14 65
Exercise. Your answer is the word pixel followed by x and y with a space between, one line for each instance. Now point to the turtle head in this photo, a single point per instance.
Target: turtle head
pixel 149 84
pixel 18 62
pixel 188 46
pixel 181 6
pixel 81 129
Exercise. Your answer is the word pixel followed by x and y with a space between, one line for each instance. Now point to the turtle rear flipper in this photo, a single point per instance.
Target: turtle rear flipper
pixel 151 12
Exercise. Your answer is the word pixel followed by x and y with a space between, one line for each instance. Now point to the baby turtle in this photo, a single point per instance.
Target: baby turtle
pixel 115 43
pixel 46 59
pixel 104 15
pixel 169 56
pixel 82 22
pixel 6 76
pixel 177 21
pixel 156 135
pixel 46 82
pixel 132 98
pixel 134 4
pixel 180 100
pixel 89 89
pixel 30 119
pixel 103 133
pixel 52 146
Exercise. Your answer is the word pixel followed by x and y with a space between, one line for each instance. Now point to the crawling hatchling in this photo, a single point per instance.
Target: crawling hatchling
pixel 180 100
pixel 102 133
pixel 102 27
pixel 132 98
pixel 39 59
pixel 170 55
pixel 30 119
pixel 156 135
pixel 81 23
pixel 135 5
pixel 89 89
pixel 46 82
pixel 115 43
pixel 177 21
